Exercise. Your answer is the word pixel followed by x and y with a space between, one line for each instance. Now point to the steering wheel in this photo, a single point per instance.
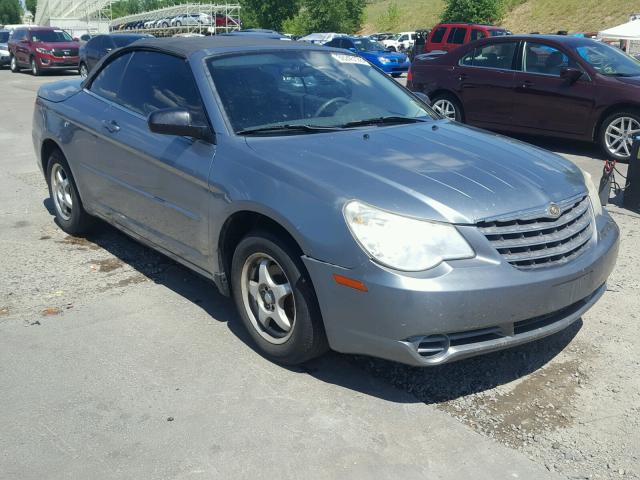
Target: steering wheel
pixel 328 103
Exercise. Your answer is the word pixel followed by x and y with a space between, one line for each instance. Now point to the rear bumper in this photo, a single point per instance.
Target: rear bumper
pixel 459 309
pixel 5 59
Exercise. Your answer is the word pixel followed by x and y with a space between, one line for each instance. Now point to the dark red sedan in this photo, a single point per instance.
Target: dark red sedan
pixel 561 86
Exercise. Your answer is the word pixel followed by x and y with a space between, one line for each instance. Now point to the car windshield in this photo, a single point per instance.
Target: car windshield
pixel 367 45
pixel 609 60
pixel 4 37
pixel 50 36
pixel 309 88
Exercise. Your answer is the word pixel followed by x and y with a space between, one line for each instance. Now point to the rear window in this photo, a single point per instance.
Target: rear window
pixel 498 33
pixel 121 41
pixel 457 35
pixel 476 34
pixel 438 35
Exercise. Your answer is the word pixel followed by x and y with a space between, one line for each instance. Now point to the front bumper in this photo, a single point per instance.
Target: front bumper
pixel 459 309
pixel 395 67
pixel 49 62
pixel 5 59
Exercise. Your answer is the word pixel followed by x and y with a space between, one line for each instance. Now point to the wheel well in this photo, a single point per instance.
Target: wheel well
pixel 610 110
pixel 48 146
pixel 238 225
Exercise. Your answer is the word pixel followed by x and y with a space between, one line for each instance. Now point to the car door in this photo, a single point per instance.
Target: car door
pixel 158 183
pixel 485 77
pixel 545 101
pixel 97 48
pixel 23 47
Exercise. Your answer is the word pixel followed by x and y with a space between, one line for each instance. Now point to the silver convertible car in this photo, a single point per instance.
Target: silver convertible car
pixel 334 205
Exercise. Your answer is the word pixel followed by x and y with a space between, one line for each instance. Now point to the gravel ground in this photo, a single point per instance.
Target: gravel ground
pixel 570 403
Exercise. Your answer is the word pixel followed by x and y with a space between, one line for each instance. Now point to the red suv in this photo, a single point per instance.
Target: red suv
pixel 42 48
pixel 449 36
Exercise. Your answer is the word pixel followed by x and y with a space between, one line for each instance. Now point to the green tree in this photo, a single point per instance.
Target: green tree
pixel 10 12
pixel 268 13
pixel 343 16
pixel 388 21
pixel 473 11
pixel 31 6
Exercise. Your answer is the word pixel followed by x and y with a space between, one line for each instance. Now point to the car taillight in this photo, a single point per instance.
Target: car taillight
pixel 409 75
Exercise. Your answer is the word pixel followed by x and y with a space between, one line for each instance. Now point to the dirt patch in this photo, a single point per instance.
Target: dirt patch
pixel 78 242
pixel 541 402
pixel 125 282
pixel 50 311
pixel 107 265
pixel 45 237
pixel 4 311
pixel 21 224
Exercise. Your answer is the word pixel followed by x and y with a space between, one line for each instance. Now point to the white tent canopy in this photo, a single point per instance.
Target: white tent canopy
pixel 626 31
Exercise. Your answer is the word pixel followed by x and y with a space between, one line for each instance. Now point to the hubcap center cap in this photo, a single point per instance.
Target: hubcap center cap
pixel 267 296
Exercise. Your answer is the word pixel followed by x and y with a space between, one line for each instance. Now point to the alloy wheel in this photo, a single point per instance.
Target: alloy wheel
pixel 83 71
pixel 445 108
pixel 61 191
pixel 268 298
pixel 14 64
pixel 34 67
pixel 619 135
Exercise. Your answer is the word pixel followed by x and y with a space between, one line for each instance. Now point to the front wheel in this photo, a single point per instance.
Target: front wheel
pixel 14 65
pixel 83 70
pixel 178 24
pixel 70 213
pixel 617 133
pixel 447 106
pixel 396 75
pixel 276 300
pixel 35 70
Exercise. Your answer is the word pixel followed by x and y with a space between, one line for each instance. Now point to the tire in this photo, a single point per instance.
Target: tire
pixel 448 106
pixel 14 65
pixel 178 24
pixel 617 132
pixel 392 49
pixel 35 70
pixel 305 339
pixel 70 213
pixel 396 75
pixel 83 71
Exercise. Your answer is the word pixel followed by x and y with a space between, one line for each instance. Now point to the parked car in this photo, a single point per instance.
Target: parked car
pixel 191 19
pixel 259 33
pixel 150 24
pixel 96 48
pixel 162 23
pixel 402 41
pixel 42 49
pixel 393 63
pixel 85 37
pixel 5 59
pixel 562 86
pixel 449 36
pixel 379 37
pixel 223 20
pixel 343 213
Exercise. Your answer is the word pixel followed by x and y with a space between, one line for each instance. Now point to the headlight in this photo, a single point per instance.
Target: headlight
pixel 404 243
pixel 593 193
pixel 44 50
pixel 384 60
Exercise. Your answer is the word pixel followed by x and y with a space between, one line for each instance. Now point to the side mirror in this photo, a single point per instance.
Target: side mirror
pixel 571 75
pixel 178 121
pixel 76 39
pixel 424 98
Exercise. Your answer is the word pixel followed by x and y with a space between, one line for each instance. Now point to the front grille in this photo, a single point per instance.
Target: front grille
pixel 65 52
pixel 542 242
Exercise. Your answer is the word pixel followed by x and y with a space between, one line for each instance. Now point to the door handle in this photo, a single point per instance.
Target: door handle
pixel 527 84
pixel 462 76
pixel 111 126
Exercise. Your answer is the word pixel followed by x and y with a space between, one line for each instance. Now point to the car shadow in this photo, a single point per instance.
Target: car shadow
pixel 382 379
pixel 563 146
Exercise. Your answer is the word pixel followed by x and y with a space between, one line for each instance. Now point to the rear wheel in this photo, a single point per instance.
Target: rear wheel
pixel 276 300
pixel 396 75
pixel 35 70
pixel 448 106
pixel 70 214
pixel 178 23
pixel 617 133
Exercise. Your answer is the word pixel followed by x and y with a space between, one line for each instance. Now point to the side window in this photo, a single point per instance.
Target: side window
pixel 540 58
pixel 345 43
pixel 476 34
pixel 403 38
pixel 153 81
pixel 456 35
pixel 438 35
pixel 495 55
pixel 107 83
pixel 333 43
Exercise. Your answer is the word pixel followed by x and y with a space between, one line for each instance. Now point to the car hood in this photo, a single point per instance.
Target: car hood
pixel 629 80
pixel 439 171
pixel 58 45
pixel 381 53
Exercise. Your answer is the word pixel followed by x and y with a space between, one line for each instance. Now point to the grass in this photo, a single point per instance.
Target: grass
pixel 523 16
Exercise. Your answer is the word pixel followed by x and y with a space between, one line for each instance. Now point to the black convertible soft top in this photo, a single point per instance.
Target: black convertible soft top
pixel 185 47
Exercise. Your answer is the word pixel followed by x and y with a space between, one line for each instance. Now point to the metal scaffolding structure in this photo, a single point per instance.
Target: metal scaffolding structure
pixel 186 18
pixel 65 13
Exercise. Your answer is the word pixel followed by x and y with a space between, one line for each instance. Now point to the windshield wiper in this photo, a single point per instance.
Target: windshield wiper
pixel 382 121
pixel 286 128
